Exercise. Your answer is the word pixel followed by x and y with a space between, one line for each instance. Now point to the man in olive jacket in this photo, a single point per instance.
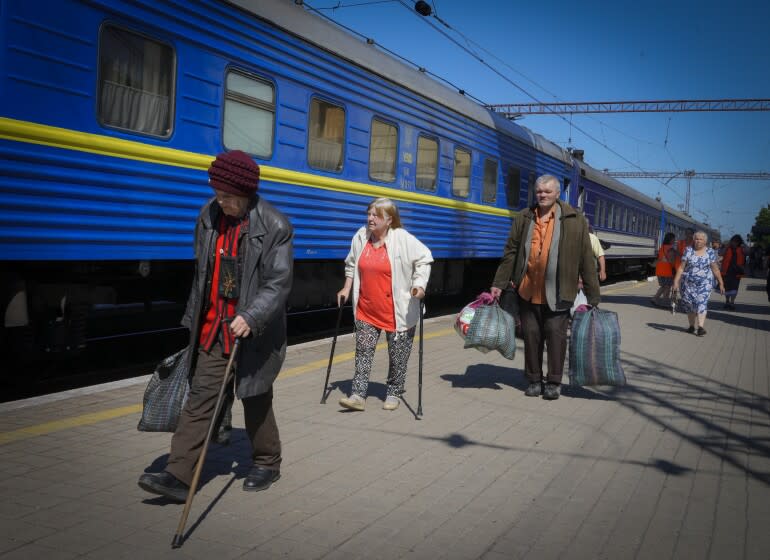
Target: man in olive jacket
pixel 243 275
pixel 547 252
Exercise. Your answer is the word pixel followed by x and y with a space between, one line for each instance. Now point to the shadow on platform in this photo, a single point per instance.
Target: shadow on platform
pixel 485 376
pixel 655 386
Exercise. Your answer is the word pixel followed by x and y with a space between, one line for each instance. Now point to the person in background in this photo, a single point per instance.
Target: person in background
pixel 733 269
pixel 386 272
pixel 664 270
pixel 682 245
pixel 598 251
pixel 716 246
pixel 243 275
pixel 547 251
pixel 695 276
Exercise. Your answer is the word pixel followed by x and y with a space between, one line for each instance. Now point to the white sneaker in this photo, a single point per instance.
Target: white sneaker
pixel 391 403
pixel 353 402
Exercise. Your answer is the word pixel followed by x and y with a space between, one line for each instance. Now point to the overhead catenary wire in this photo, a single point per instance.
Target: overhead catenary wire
pixel 482 61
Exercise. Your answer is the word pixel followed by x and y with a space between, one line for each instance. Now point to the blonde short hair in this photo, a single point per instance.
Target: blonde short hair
pixel 386 207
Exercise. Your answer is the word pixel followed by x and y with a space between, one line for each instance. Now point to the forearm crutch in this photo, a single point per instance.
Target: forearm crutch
pixel 419 366
pixel 179 536
pixel 331 356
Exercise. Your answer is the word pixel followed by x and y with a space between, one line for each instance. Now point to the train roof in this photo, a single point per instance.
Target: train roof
pixel 296 20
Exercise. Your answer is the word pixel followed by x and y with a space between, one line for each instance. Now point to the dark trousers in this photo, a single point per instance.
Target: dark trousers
pixel 196 415
pixel 542 328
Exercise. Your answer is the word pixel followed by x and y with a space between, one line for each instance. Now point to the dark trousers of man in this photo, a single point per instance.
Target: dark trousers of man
pixel 194 421
pixel 541 328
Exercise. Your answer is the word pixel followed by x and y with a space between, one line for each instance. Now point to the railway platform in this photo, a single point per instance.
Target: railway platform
pixel 674 465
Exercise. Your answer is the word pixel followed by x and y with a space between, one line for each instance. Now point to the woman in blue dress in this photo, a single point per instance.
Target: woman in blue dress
pixel 695 276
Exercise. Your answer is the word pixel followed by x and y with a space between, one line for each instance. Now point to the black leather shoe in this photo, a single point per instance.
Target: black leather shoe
pixel 164 484
pixel 551 392
pixel 691 329
pixel 260 478
pixel 534 390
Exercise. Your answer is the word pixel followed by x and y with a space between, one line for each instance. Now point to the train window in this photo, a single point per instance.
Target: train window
pixel 531 189
pixel 581 202
pixel 566 189
pixel 326 135
pixel 249 114
pixel 513 188
pixel 461 176
pixel 427 163
pixel 611 216
pixel 136 82
pixel 383 149
pixel 489 190
pixel 625 219
pixel 599 213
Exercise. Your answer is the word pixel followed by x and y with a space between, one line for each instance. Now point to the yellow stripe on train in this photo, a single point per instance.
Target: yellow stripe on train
pixel 34 133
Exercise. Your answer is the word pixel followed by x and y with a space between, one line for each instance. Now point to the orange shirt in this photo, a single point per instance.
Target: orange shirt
pixel 532 286
pixel 681 247
pixel 663 266
pixel 375 294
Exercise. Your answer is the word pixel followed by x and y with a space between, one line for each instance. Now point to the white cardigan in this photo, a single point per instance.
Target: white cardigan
pixel 410 268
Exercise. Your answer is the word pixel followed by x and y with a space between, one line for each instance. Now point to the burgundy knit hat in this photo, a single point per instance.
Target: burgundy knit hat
pixel 234 172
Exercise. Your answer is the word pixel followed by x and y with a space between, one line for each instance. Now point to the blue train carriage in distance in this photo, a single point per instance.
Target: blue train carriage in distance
pixel 113 110
pixel 633 223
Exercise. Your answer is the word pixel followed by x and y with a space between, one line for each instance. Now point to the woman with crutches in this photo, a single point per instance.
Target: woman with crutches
pixel 386 272
pixel 243 274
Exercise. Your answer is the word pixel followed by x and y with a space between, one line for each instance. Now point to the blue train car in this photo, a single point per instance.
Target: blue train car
pixel 113 109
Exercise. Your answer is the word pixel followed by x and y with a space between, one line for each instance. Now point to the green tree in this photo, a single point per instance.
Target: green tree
pixel 760 233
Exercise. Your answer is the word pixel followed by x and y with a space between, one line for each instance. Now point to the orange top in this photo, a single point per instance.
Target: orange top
pixel 681 247
pixel 532 286
pixel 740 259
pixel 663 266
pixel 375 294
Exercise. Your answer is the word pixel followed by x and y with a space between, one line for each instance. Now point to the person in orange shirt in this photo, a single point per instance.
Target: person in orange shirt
pixel 733 269
pixel 664 270
pixel 682 245
pixel 547 251
pixel 386 273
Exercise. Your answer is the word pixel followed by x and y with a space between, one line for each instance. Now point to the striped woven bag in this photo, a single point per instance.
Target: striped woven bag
pixel 492 329
pixel 594 349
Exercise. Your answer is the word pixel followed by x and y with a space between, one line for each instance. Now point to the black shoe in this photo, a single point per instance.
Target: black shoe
pixel 551 392
pixel 701 332
pixel 691 330
pixel 222 437
pixel 534 390
pixel 260 478
pixel 164 484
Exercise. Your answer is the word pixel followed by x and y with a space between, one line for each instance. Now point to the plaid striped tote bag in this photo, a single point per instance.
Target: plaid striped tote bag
pixel 594 349
pixel 166 394
pixel 492 329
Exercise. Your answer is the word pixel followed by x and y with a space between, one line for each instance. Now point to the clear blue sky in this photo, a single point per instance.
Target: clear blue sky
pixel 601 50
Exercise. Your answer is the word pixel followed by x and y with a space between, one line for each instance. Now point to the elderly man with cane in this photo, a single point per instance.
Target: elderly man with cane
pixel 243 274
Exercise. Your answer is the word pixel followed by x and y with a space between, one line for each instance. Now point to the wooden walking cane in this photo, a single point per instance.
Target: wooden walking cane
pixel 419 367
pixel 179 536
pixel 331 356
